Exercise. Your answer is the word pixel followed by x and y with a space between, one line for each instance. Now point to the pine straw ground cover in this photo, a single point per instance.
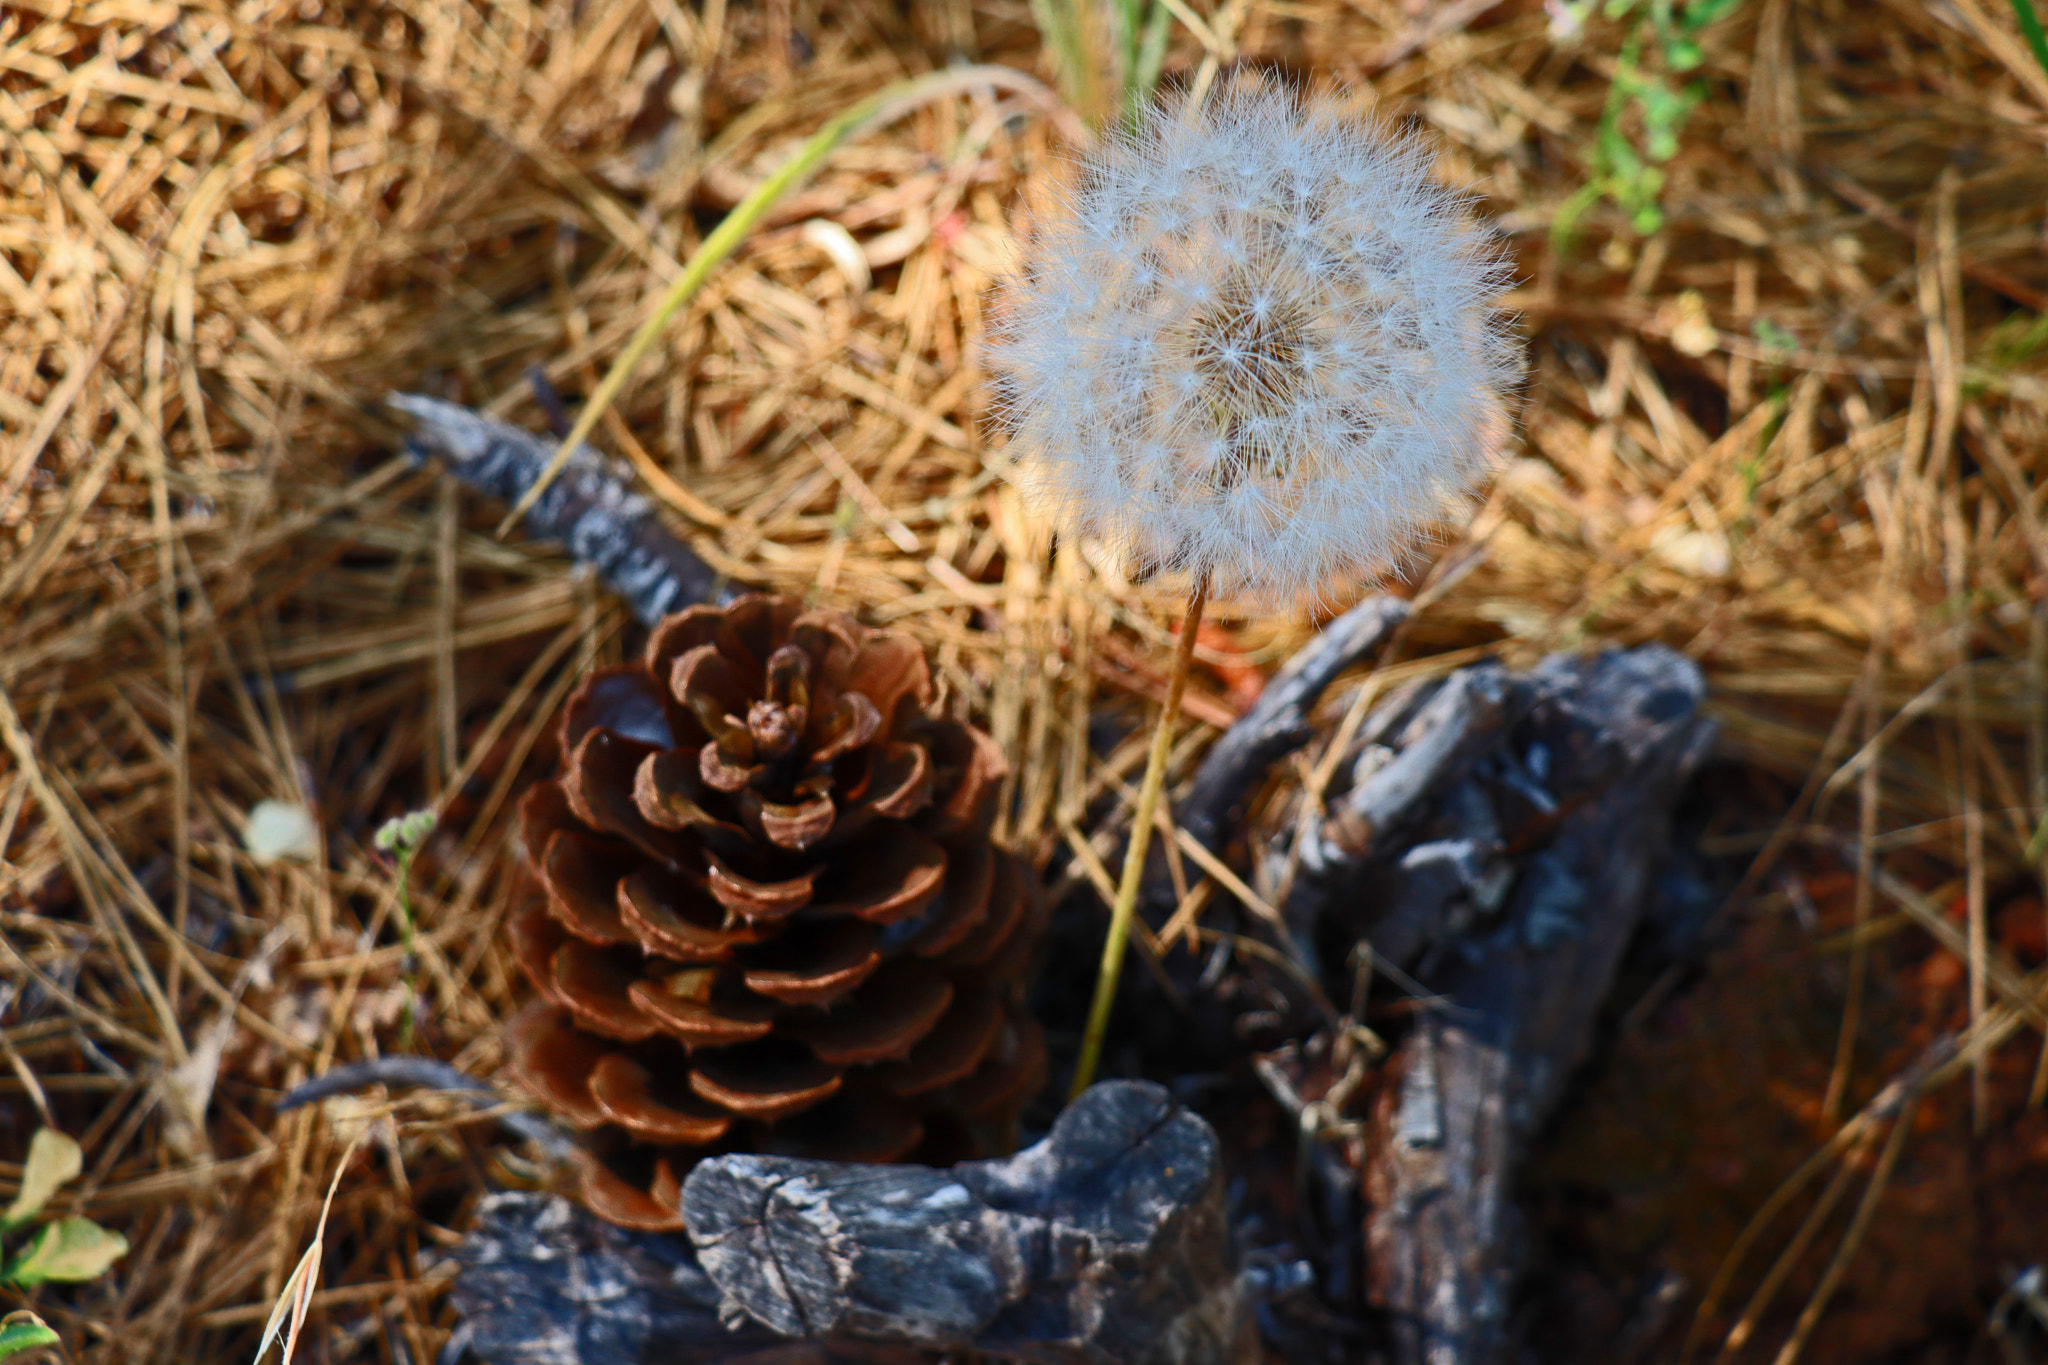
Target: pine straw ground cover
pixel 1797 433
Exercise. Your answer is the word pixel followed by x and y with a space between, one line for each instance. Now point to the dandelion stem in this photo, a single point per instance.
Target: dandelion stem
pixel 1141 840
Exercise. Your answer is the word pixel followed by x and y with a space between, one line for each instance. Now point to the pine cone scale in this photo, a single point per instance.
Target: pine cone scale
pixel 581 877
pixel 620 1201
pixel 681 1008
pixel 954 1047
pixel 771 1079
pixel 971 871
pixel 899 880
pixel 829 959
pixel 975 767
pixel 597 987
pixel 626 1092
pixel 854 1125
pixel 556 1061
pixel 757 900
pixel 899 782
pixel 794 827
pixel 665 793
pixel 598 783
pixel 1008 916
pixel 623 700
pixel 883 1020
pixel 675 917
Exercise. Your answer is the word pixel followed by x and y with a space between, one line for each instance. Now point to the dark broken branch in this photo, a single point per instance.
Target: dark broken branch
pixel 591 508
pixel 430 1074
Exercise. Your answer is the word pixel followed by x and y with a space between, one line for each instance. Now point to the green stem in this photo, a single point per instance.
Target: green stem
pixel 890 104
pixel 410 966
pixel 1121 913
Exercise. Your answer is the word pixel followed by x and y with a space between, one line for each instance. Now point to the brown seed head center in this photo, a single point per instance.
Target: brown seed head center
pixel 1248 348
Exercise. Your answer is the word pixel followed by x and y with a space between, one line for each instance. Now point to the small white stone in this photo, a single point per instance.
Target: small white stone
pixel 278 830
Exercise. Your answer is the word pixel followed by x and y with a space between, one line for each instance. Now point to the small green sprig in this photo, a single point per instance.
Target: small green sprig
pixel 400 838
pixel 1630 169
pixel 63 1251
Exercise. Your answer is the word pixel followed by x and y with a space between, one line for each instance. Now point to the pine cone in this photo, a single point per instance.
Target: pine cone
pixel 769 915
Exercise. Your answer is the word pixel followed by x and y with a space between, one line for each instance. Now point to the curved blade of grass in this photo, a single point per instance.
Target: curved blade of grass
pixel 1060 31
pixel 885 107
pixel 295 1300
pixel 2030 26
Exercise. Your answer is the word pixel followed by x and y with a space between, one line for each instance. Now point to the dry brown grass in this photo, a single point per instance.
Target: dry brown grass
pixel 227 231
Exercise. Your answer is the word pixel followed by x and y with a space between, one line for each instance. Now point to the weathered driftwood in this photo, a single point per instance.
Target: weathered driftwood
pixel 1106 1242
pixel 1498 839
pixel 591 507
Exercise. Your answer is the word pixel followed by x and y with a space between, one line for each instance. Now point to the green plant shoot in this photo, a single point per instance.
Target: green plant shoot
pixel 401 838
pixel 1646 108
pixel 64 1251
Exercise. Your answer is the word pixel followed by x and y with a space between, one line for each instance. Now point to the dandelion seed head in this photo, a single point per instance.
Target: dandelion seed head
pixel 1260 343
pixel 1257 342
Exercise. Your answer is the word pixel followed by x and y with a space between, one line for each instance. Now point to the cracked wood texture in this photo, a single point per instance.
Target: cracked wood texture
pixel 1499 840
pixel 1104 1244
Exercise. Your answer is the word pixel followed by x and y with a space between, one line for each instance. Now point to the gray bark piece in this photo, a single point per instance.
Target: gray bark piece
pixel 1104 1244
pixel 1436 748
pixel 1277 723
pixel 818 1248
pixel 590 507
pixel 543 1283
pixel 1615 736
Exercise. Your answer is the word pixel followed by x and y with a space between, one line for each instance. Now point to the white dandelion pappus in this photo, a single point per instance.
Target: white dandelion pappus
pixel 1256 341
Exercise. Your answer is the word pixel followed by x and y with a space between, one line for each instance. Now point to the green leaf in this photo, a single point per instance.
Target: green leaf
pixel 68 1251
pixel 52 1159
pixel 17 1337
